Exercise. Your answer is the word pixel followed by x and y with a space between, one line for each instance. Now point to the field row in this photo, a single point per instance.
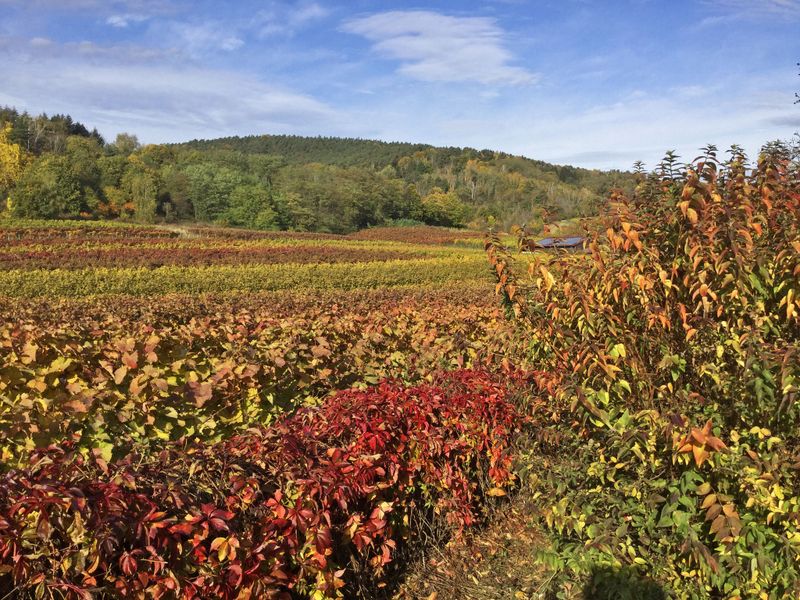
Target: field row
pixel 70 258
pixel 51 231
pixel 112 243
pixel 154 252
pixel 123 313
pixel 222 278
pixel 115 378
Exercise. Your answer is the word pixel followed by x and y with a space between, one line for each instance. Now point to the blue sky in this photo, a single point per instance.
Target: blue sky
pixel 590 83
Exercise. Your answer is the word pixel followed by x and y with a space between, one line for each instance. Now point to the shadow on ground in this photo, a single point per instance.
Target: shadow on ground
pixel 621 584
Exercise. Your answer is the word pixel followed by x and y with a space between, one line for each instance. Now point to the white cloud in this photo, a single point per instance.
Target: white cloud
pixel 735 10
pixel 281 18
pixel 41 42
pixel 437 47
pixel 123 20
pixel 200 38
pixel 764 7
pixel 645 126
pixel 307 12
pixel 132 6
pixel 156 94
pixel 588 131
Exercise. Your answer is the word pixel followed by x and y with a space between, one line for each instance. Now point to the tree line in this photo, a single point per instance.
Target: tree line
pixel 55 167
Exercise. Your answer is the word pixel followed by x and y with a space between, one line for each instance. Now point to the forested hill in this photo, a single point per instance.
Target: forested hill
pixel 510 188
pixel 54 167
pixel 376 154
pixel 342 152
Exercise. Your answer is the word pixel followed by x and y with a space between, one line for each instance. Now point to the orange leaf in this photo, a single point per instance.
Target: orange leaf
pixel 700 454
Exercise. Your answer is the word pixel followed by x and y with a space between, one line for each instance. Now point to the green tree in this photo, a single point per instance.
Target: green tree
pixel 292 214
pixel 177 190
pixel 443 208
pixel 210 189
pixel 141 187
pixel 112 169
pixel 248 204
pixel 48 189
pixel 398 200
pixel 125 144
pixel 156 156
pixel 83 154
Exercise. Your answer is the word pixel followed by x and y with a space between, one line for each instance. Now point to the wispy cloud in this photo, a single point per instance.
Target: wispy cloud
pixel 437 47
pixel 791 120
pixel 736 10
pixel 113 6
pixel 201 38
pixel 781 8
pixel 285 18
pixel 125 19
pixel 153 92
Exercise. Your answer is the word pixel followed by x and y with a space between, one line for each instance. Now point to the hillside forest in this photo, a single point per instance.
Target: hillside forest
pixel 55 167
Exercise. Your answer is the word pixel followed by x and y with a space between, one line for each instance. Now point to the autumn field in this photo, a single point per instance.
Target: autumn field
pixel 199 412
pixel 150 375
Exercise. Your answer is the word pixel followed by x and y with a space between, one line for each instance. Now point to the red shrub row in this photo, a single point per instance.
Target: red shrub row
pixel 423 234
pixel 65 257
pixel 278 510
pixel 82 232
pixel 108 235
pixel 249 234
pixel 124 315
pixel 95 234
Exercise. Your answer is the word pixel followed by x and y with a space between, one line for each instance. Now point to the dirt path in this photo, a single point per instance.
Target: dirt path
pixel 181 231
pixel 498 563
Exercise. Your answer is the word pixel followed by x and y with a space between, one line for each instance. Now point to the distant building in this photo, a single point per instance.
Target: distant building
pixel 572 243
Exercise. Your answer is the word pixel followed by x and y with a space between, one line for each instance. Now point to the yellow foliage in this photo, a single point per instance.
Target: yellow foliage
pixel 11 159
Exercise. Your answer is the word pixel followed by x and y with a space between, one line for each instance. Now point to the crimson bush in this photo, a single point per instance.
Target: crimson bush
pixel 283 509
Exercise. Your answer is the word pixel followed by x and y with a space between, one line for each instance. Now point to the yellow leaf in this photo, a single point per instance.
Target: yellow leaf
pixel 709 501
pixel 549 280
pixel 220 544
pixel 119 375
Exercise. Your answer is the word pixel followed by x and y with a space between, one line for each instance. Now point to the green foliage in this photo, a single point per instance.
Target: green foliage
pixel 125 144
pixel 48 189
pixel 41 134
pixel 140 185
pixel 221 278
pixel 443 208
pixel 297 150
pixel 210 188
pixel 247 204
pixel 310 184
pixel 177 192
pixel 112 169
pixel 671 354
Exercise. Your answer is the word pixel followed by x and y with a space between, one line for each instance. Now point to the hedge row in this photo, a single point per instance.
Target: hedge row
pixel 293 508
pixel 67 257
pixel 122 372
pixel 146 282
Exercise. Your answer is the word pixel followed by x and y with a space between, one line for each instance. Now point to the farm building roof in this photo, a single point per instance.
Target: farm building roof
pixel 566 242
